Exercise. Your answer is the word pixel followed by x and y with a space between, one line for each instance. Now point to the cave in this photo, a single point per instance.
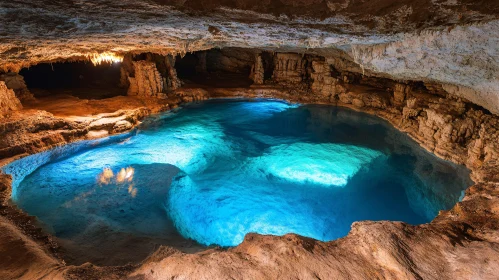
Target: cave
pixel 223 68
pixel 80 79
pixel 243 140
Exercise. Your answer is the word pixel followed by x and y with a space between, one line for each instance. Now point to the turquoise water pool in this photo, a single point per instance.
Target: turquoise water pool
pixel 217 170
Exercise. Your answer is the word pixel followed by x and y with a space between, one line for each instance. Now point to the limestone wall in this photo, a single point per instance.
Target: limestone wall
pixel 464 59
pixel 289 68
pixel 152 77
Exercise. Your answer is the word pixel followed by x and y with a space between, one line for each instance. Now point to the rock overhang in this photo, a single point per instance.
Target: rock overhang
pixel 458 48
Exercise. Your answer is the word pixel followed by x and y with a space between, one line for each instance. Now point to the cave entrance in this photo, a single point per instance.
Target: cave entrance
pixel 222 68
pixel 79 79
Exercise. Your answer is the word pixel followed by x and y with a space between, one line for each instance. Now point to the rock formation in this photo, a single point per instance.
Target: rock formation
pixel 290 68
pixel 170 79
pixel 257 71
pixel 143 78
pixel 16 83
pixel 446 125
pixel 323 83
pixel 428 67
pixel 147 80
pixel 8 100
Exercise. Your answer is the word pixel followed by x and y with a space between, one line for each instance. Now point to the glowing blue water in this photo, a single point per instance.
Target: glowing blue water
pixel 215 171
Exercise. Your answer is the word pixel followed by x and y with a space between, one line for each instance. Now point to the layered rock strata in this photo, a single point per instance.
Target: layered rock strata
pixel 460 243
pixel 34 129
pixel 422 65
pixel 457 47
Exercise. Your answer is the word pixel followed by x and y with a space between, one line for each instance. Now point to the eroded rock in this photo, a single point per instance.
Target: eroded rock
pixel 8 100
pixel 16 83
pixel 257 71
pixel 147 80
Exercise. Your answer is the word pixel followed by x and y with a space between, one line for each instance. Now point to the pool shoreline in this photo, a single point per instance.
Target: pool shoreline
pixel 471 193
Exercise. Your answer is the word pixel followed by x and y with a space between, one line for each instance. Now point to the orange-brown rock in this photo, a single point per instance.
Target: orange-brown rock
pixel 16 83
pixel 147 80
pixel 8 100
pixel 257 71
pixel 289 68
pixel 392 77
pixel 460 243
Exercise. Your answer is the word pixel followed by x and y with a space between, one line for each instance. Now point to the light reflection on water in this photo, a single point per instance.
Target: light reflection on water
pixel 124 176
pixel 217 170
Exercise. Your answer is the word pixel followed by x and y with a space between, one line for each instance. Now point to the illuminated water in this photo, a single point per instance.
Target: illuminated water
pixel 217 170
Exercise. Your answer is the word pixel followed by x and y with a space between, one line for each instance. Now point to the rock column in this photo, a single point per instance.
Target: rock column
pixel 150 77
pixel 323 84
pixel 400 93
pixel 147 80
pixel 257 71
pixel 171 81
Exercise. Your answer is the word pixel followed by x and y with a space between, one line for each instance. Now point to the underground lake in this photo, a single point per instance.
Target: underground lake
pixel 211 172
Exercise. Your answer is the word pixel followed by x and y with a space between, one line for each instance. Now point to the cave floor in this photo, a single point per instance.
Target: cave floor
pixel 69 106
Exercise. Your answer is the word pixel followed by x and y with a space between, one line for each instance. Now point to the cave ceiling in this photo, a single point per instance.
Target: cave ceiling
pixel 452 42
pixel 32 30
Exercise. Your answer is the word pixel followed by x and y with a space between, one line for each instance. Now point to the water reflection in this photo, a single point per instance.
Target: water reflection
pixel 124 176
pixel 106 176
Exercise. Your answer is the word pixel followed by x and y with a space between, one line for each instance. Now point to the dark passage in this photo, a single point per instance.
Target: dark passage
pixel 80 79
pixel 223 68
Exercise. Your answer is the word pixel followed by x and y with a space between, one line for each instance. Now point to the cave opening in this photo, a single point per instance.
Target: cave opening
pixel 222 68
pixel 79 79
pixel 188 66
